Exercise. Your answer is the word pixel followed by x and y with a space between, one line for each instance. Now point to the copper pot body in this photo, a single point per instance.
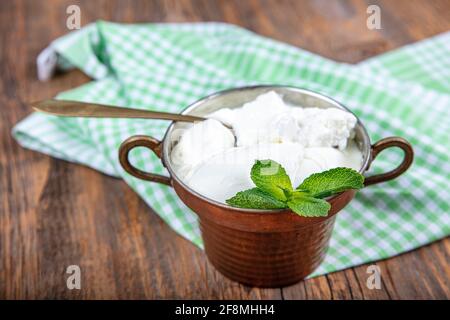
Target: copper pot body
pixel 263 248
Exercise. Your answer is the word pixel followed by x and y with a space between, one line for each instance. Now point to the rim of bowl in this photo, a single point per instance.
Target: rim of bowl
pixel 166 159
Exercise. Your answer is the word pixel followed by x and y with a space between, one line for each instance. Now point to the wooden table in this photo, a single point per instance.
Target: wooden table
pixel 54 214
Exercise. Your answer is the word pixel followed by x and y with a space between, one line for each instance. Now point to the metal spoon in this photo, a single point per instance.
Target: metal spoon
pixel 68 108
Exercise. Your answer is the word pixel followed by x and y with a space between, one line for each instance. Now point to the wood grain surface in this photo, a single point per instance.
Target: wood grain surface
pixel 54 214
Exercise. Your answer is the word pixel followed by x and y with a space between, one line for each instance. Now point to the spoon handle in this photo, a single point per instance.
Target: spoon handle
pixel 68 108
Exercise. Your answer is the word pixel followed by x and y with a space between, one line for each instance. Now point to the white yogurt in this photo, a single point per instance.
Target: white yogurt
pixel 269 119
pixel 302 140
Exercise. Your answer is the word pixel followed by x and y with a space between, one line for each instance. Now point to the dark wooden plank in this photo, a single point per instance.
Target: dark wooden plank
pixel 53 213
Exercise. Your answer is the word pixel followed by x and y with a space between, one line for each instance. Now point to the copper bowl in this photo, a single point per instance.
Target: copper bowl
pixel 264 248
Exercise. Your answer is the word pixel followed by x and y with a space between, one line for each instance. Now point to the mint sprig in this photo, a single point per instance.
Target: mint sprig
pixel 274 189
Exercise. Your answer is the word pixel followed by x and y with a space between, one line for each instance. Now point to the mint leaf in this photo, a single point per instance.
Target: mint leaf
pixel 270 177
pixel 255 199
pixel 324 184
pixel 307 206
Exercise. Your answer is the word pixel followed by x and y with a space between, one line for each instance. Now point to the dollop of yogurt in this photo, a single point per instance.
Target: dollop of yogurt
pixel 268 119
pixel 197 144
pixel 216 161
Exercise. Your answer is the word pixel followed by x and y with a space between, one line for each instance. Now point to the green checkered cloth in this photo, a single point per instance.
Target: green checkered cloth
pixel 166 67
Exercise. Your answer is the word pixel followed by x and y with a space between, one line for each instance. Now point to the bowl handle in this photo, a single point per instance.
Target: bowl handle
pixel 141 141
pixel 387 143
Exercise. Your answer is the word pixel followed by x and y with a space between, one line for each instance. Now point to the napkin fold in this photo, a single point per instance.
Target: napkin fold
pixel 166 67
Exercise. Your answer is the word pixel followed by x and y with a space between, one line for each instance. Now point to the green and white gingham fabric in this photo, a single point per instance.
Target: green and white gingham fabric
pixel 166 67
